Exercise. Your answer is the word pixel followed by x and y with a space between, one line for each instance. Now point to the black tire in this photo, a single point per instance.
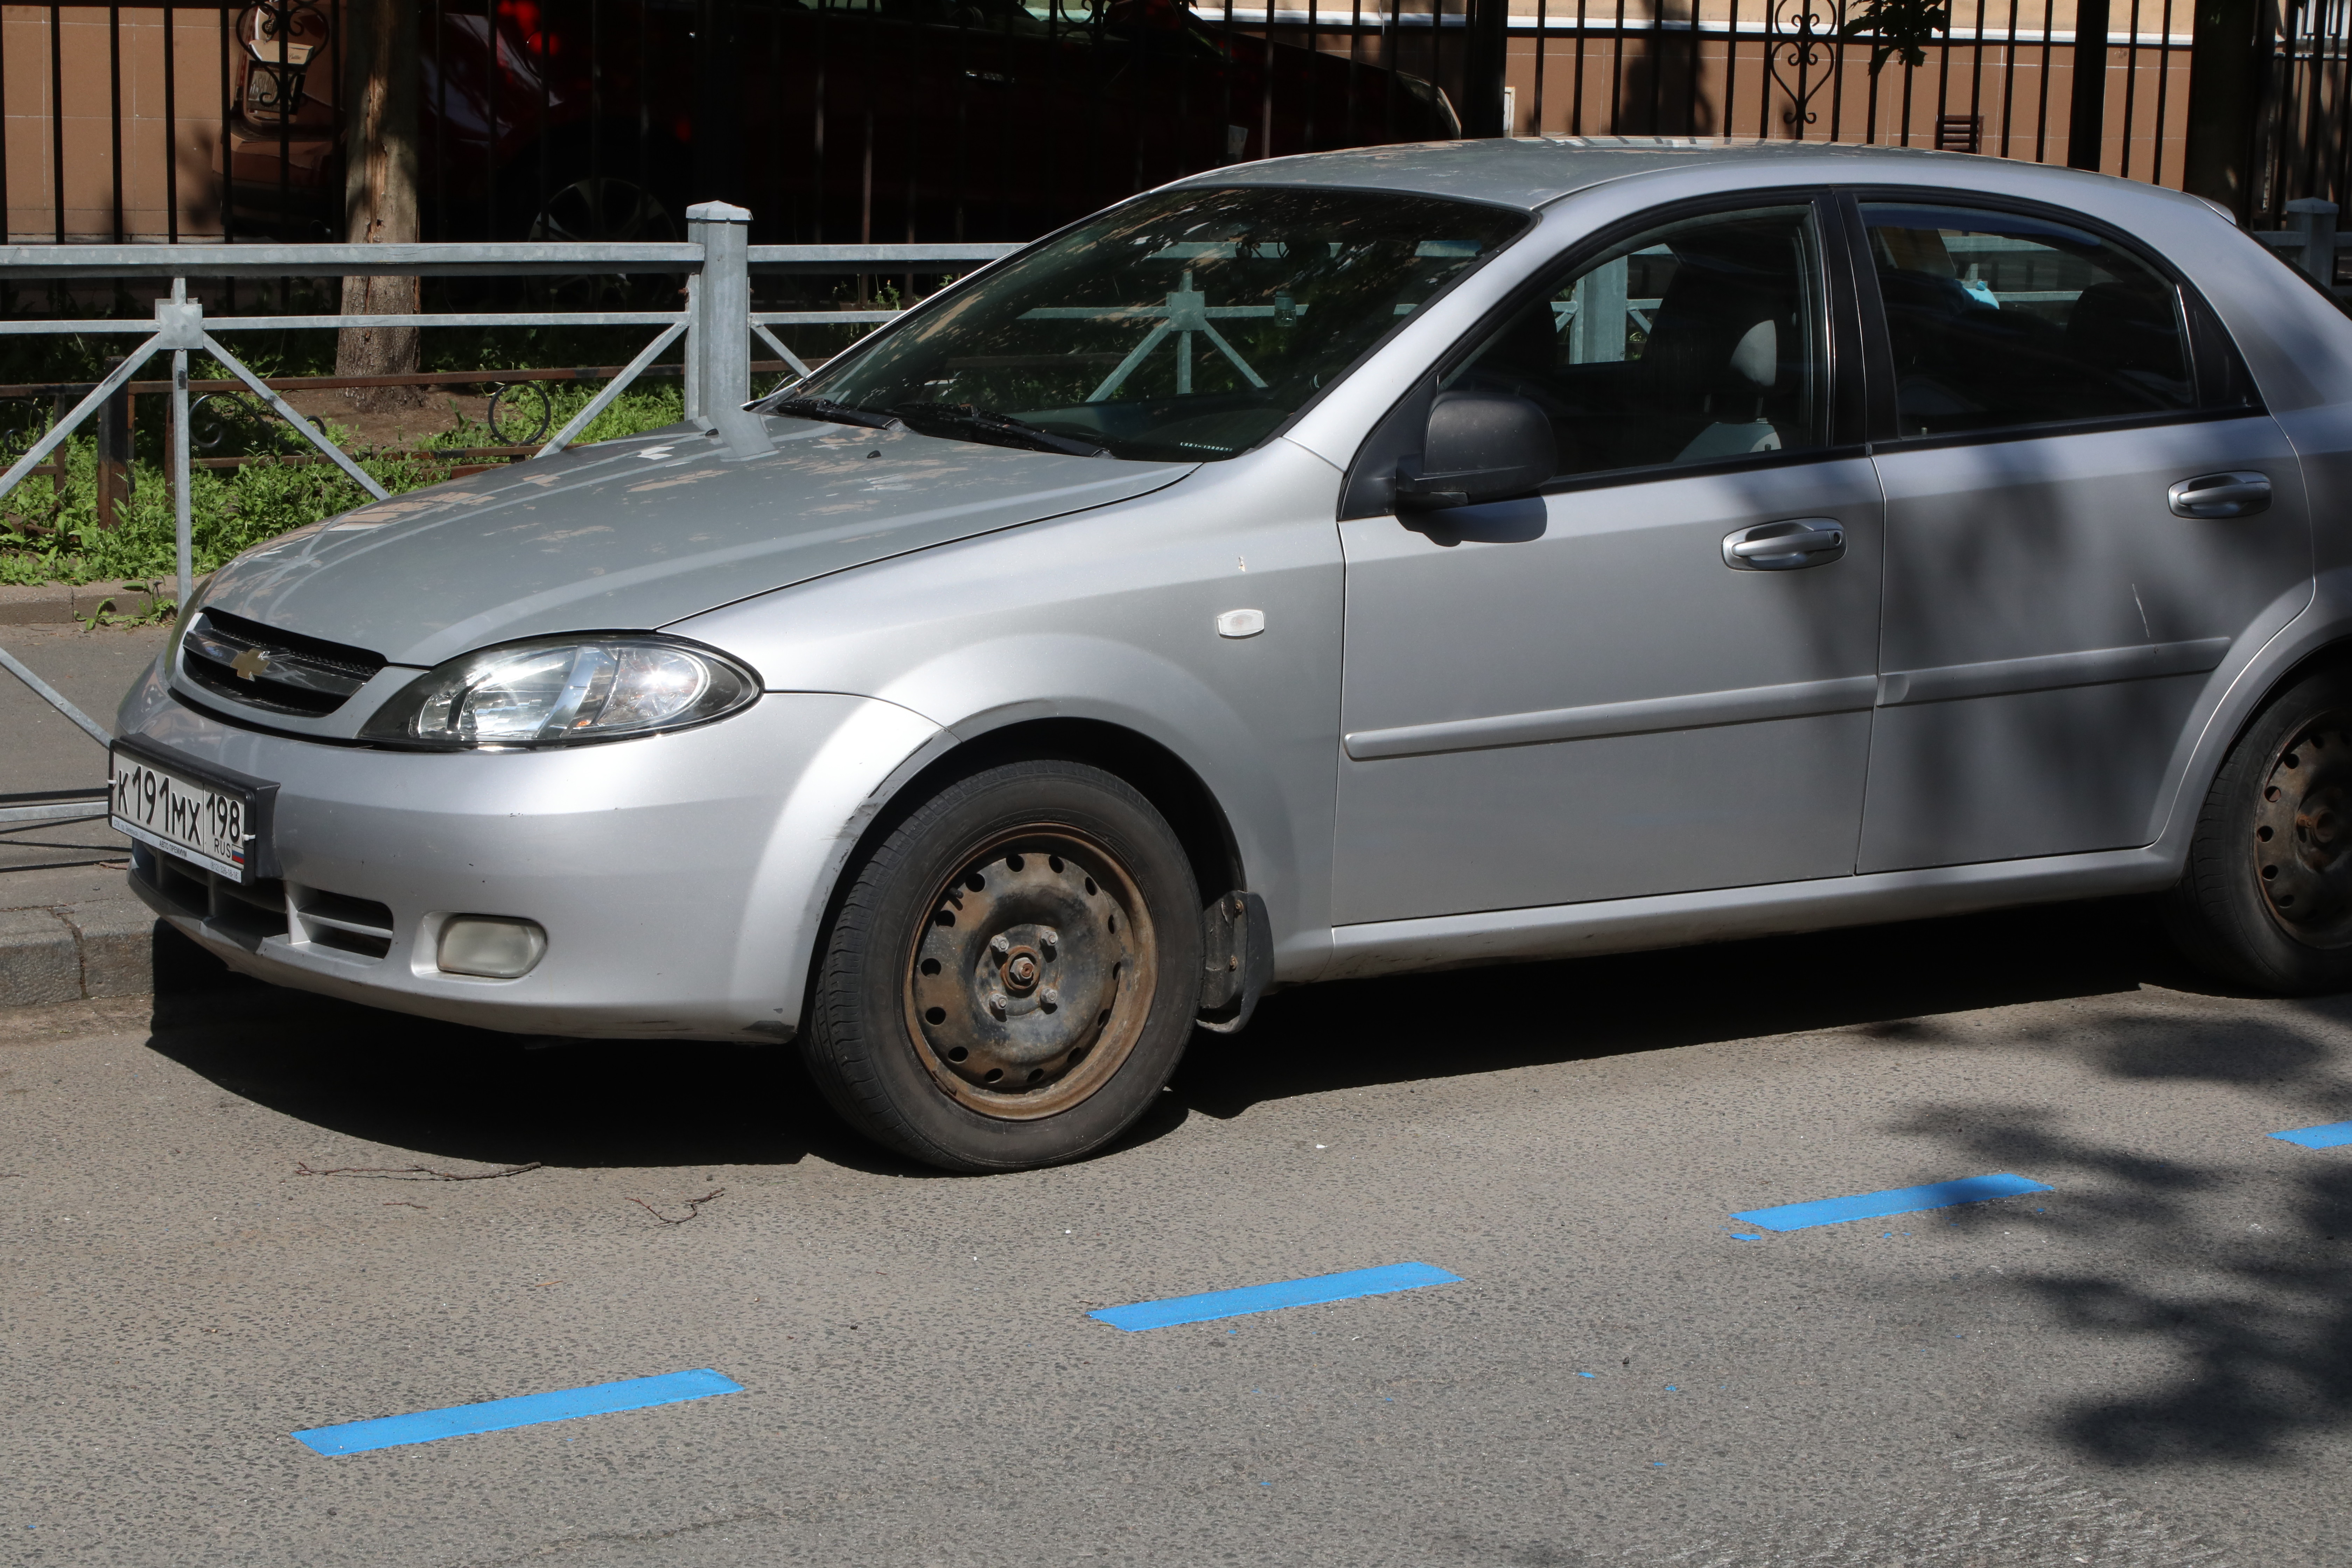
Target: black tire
pixel 578 186
pixel 1011 975
pixel 2266 900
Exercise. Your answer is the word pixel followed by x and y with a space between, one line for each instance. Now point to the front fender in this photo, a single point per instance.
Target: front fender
pixel 824 810
pixel 977 691
pixel 1111 616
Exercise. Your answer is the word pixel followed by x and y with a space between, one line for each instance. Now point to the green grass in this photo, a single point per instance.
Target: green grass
pixel 50 536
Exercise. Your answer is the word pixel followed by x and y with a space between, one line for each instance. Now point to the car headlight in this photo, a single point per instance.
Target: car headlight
pixel 561 692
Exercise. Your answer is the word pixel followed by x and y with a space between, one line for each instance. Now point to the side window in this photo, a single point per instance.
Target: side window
pixel 1696 342
pixel 1998 321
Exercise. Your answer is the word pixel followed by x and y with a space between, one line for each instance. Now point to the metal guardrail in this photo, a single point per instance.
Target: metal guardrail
pixel 717 324
pixel 2313 239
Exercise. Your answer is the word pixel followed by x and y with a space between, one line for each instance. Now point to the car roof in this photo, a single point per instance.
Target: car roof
pixel 1530 172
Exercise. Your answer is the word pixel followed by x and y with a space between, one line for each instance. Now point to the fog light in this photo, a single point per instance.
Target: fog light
pixel 489 946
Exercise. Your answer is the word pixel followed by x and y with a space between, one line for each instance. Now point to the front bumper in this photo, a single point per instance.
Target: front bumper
pixel 679 878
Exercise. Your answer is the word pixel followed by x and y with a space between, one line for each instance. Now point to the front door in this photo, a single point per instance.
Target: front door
pixel 2084 514
pixel 1657 675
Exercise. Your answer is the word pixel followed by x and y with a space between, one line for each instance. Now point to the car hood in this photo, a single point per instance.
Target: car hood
pixel 633 535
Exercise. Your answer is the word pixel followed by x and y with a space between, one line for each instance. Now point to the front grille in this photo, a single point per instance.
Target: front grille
pixel 362 928
pixel 249 913
pixel 261 666
pixel 358 926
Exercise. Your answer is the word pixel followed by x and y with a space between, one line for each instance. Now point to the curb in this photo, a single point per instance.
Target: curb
pixel 69 952
pixel 55 604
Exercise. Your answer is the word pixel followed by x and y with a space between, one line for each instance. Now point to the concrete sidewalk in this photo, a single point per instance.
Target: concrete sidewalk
pixel 69 926
pixel 54 604
pixel 74 932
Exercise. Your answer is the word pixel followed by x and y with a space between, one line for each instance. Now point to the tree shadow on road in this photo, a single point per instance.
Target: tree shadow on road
pixel 2253 1315
pixel 2259 1330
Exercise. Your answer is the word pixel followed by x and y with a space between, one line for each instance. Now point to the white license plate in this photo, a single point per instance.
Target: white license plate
pixel 202 824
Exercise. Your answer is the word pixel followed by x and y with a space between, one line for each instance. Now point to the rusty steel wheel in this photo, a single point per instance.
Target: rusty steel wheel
pixel 2303 833
pixel 2266 899
pixel 1013 971
pixel 1028 987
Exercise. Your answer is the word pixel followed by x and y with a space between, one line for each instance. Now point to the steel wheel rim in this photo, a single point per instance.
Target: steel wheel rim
pixel 1028 985
pixel 606 210
pixel 601 211
pixel 2303 834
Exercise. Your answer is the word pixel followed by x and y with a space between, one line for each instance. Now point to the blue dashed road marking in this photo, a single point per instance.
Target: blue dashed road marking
pixel 1214 1304
pixel 1897 1200
pixel 526 1410
pixel 2334 1135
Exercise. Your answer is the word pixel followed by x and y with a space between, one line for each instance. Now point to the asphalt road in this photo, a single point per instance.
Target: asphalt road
pixel 2150 1363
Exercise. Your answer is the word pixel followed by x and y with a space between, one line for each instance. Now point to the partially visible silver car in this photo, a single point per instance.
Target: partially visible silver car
pixel 1325 567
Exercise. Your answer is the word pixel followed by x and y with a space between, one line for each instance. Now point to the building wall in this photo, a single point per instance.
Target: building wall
pixel 73 66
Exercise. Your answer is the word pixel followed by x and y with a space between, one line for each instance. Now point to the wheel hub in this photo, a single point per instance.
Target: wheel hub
pixel 2303 833
pixel 1027 985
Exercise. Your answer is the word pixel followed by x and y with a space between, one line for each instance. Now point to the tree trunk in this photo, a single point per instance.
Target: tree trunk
pixel 379 191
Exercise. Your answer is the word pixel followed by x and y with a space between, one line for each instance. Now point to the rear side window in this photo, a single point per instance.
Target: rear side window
pixel 1998 321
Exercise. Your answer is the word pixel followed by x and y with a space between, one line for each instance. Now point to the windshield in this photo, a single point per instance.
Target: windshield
pixel 1186 324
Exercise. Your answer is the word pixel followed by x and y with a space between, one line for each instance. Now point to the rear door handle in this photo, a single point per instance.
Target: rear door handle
pixel 2239 494
pixel 1785 546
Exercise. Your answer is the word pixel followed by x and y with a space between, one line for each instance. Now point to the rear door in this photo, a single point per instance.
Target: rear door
pixel 2085 511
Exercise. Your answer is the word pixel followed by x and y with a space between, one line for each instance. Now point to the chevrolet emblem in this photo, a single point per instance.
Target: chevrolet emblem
pixel 250 663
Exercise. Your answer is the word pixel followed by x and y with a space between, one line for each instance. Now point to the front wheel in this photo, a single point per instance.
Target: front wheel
pixel 2266 900
pixel 1012 973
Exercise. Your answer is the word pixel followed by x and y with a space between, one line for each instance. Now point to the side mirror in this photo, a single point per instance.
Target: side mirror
pixel 1480 446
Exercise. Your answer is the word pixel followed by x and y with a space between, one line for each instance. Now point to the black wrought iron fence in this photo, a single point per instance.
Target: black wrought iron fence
pixel 2001 80
pixel 922 120
pixel 2304 132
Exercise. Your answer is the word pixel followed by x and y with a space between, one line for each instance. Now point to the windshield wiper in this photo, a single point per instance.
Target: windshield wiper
pixel 826 409
pixel 988 424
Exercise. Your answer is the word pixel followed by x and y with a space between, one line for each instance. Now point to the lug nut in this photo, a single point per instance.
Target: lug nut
pixel 1049 945
pixel 1000 944
pixel 996 1004
pixel 1050 996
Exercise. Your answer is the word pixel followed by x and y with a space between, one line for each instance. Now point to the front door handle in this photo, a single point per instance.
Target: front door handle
pixel 1785 546
pixel 2241 494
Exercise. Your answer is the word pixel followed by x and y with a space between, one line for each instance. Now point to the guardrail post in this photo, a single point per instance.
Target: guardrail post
pixel 180 327
pixel 2314 221
pixel 692 383
pixel 718 359
pixel 183 542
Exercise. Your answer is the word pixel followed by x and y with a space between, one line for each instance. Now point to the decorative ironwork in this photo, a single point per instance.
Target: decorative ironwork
pixel 285 38
pixel 1800 42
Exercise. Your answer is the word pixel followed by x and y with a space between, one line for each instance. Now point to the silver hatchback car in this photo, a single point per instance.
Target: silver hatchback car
pixel 1326 567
